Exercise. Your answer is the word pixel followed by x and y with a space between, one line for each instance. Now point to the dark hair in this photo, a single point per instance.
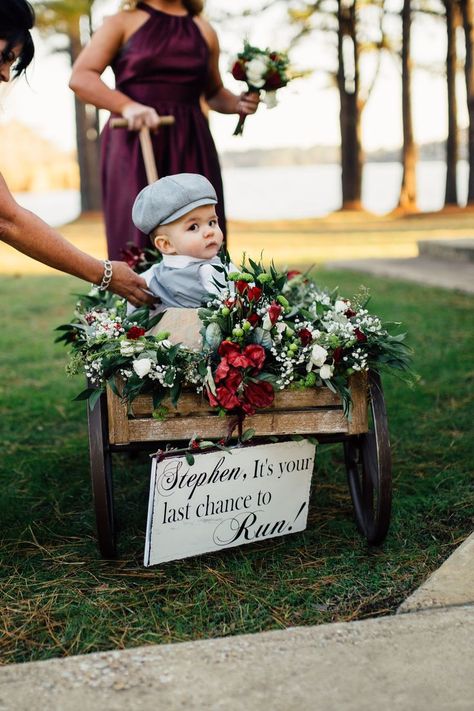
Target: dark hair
pixel 17 17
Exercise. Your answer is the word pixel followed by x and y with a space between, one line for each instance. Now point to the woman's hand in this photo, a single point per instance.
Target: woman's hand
pixel 139 115
pixel 247 103
pixel 125 282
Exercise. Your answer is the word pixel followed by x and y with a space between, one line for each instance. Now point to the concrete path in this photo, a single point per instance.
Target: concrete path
pixel 422 270
pixel 417 662
pixel 446 263
pixel 452 584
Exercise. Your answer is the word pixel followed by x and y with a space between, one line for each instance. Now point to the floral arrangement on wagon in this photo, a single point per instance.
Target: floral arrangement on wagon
pixel 265 331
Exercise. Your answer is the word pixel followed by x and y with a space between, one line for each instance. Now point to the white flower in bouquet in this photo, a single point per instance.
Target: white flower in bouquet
pixel 261 69
pixel 326 372
pixel 267 322
pixel 341 306
pixel 317 357
pixel 130 348
pixel 142 366
pixel 256 70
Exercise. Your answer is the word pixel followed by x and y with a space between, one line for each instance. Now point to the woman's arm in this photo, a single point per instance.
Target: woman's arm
pixel 86 79
pixel 25 232
pixel 217 96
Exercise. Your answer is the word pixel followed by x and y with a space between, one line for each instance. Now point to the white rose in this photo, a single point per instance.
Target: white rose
pixel 341 306
pixel 129 348
pixel 142 367
pixel 267 323
pixel 318 355
pixel 326 371
pixel 255 70
pixel 126 348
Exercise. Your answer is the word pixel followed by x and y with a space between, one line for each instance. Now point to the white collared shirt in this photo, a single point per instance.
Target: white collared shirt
pixel 207 273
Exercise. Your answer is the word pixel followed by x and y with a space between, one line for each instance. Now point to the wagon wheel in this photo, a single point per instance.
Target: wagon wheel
pixel 101 476
pixel 369 469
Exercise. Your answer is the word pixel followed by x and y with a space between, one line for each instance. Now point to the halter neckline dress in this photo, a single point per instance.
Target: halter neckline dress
pixel 164 64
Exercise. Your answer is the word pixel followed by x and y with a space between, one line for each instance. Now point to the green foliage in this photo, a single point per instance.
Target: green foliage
pixel 298 328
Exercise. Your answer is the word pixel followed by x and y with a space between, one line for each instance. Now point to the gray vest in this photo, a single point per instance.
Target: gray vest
pixel 180 287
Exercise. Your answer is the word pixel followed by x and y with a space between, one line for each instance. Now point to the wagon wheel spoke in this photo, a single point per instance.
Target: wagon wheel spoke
pixel 101 476
pixel 369 469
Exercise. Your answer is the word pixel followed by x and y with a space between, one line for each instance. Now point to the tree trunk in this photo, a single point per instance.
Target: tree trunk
pixel 451 195
pixel 467 9
pixel 348 85
pixel 87 139
pixel 407 199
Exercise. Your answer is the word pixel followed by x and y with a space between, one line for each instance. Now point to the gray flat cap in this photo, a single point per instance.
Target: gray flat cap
pixel 170 198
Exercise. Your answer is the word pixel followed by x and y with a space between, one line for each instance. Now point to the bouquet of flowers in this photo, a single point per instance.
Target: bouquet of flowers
pixel 266 331
pixel 260 69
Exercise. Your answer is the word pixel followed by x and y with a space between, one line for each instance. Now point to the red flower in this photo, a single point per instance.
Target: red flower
pixel 257 394
pixel 231 352
pixel 229 302
pixel 273 81
pixel 349 313
pixel 227 347
pixel 234 378
pixel 227 398
pixel 305 336
pixel 221 370
pixel 195 444
pixel 254 293
pixel 241 286
pixel 274 310
pixel 135 332
pixel 256 355
pixel 292 274
pixel 254 319
pixel 361 337
pixel 238 70
pixel 133 256
pixel 337 355
pixel 212 400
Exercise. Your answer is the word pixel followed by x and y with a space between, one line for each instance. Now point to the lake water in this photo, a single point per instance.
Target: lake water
pixel 290 192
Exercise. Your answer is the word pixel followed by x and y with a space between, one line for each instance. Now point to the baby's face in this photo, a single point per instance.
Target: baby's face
pixel 197 234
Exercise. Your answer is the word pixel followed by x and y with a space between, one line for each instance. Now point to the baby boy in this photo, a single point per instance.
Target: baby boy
pixel 178 212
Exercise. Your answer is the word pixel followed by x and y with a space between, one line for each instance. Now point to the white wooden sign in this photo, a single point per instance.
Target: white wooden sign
pixel 226 499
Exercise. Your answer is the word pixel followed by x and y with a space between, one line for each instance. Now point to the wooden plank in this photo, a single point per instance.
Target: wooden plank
pixel 118 419
pixel 190 403
pixel 264 423
pixel 194 414
pixel 358 421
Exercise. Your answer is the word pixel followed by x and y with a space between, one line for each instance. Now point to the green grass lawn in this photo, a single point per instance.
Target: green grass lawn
pixel 59 598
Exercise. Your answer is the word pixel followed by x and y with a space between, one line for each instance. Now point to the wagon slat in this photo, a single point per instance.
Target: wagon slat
pixel 310 411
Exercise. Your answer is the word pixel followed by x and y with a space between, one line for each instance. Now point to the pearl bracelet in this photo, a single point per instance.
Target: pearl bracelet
pixel 107 276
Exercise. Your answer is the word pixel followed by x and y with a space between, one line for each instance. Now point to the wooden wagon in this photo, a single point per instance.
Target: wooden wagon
pixel 114 427
pixel 315 411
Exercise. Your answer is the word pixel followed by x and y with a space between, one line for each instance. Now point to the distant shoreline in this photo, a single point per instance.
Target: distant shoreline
pixel 326 155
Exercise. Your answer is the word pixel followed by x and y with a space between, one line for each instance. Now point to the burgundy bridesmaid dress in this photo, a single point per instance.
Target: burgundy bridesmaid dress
pixel 164 65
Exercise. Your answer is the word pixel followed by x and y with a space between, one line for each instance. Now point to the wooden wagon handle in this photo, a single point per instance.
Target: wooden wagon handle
pixel 146 144
pixel 123 123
